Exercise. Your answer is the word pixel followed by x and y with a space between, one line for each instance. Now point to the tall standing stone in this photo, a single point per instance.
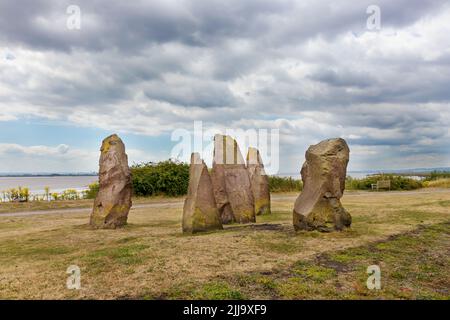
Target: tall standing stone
pixel 200 211
pixel 259 181
pixel 319 207
pixel 220 194
pixel 231 182
pixel 113 202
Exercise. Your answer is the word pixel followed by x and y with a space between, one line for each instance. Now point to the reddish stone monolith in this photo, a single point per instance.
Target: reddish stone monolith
pixel 259 181
pixel 231 182
pixel 200 211
pixel 113 202
pixel 319 207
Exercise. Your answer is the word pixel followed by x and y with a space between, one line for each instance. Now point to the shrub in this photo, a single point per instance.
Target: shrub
pixel 69 194
pixel 168 177
pixel 397 182
pixel 12 194
pixel 18 195
pixel 92 192
pixel 24 194
pixel 439 183
pixel 284 184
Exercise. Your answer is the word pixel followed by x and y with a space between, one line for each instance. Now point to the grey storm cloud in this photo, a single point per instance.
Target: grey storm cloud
pixel 342 79
pixel 310 68
pixel 134 24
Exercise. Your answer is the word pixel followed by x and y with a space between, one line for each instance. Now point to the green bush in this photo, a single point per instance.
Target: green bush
pixel 284 184
pixel 69 194
pixel 397 182
pixel 171 178
pixel 439 183
pixel 17 195
pixel 92 192
pixel 168 177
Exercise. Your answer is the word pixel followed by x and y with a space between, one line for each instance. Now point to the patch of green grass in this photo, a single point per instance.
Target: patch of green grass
pixel 217 290
pixel 267 282
pixel 415 215
pixel 413 265
pixel 273 216
pixel 294 288
pixel 34 251
pixel 164 223
pixel 353 255
pixel 11 226
pixel 124 255
pixel 263 282
pixel 297 288
pixel 444 203
pixel 127 240
pixel 315 273
pixel 280 246
pixel 362 219
pixel 214 290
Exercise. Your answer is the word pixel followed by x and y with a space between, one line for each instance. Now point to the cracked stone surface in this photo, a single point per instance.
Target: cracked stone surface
pixel 200 211
pixel 259 181
pixel 231 182
pixel 318 207
pixel 113 202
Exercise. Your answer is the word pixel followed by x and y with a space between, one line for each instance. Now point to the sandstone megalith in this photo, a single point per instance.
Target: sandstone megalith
pixel 220 194
pixel 200 211
pixel 231 182
pixel 259 181
pixel 318 207
pixel 113 202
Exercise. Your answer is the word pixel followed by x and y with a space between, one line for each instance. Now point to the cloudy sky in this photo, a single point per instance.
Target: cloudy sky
pixel 312 69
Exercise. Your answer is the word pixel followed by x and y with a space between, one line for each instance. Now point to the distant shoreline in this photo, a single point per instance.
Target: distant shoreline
pixel 49 175
pixel 421 172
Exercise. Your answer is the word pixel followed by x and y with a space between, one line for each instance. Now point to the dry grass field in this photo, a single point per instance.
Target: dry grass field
pixel 8 207
pixel 406 233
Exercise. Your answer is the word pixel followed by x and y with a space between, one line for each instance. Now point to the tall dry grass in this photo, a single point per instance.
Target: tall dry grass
pixel 439 183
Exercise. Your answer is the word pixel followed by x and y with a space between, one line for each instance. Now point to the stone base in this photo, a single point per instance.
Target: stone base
pixel 326 216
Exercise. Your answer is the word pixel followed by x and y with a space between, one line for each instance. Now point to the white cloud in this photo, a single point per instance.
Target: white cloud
pixel 309 68
pixel 41 158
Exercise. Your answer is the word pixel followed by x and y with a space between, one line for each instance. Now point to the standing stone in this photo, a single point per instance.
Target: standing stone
pixel 231 182
pixel 259 181
pixel 220 194
pixel 319 207
pixel 200 211
pixel 113 202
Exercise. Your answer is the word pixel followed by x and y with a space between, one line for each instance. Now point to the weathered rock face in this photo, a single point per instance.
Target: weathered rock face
pixel 220 194
pixel 318 207
pixel 231 183
pixel 200 211
pixel 113 202
pixel 259 181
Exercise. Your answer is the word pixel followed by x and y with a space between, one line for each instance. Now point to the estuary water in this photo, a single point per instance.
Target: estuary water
pixel 353 174
pixel 56 183
pixel 60 183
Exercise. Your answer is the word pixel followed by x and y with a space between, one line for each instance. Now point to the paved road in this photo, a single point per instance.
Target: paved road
pixel 176 204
